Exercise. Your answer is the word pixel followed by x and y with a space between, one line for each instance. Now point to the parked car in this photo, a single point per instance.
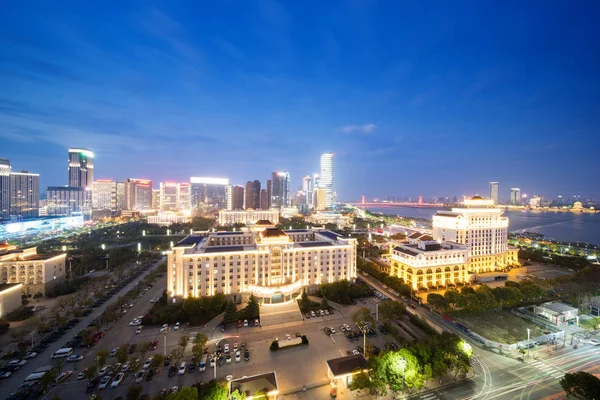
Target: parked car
pixel 246 355
pixel 176 326
pixel 238 356
pixel 103 370
pixel 149 375
pixel 114 351
pixel 139 330
pixel 147 363
pixel 182 366
pixel 104 382
pixel 117 381
pixel 172 371
pixel 125 367
pixel 139 376
pixel 74 357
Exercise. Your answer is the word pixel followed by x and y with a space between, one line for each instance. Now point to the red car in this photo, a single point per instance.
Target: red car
pixel 154 345
pixel 239 323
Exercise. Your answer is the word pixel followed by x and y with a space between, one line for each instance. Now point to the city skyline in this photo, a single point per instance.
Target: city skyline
pixel 269 96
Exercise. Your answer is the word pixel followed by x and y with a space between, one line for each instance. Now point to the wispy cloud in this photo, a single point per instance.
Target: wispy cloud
pixel 366 128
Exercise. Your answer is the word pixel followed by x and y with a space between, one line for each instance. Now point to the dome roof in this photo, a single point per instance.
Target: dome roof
pixel 476 198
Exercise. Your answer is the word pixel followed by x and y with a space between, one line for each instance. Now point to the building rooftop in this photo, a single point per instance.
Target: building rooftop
pixel 272 233
pixel 223 249
pixel 297 231
pixel 346 365
pixel 250 385
pixel 329 234
pixel 228 233
pixel 263 222
pixel 313 244
pixel 6 286
pixel 190 241
pixel 405 250
pixel 557 307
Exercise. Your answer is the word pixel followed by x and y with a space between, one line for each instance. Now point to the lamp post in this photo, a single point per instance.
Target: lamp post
pixel 215 364
pixel 528 340
pixel 103 246
pixel 403 366
pixel 165 341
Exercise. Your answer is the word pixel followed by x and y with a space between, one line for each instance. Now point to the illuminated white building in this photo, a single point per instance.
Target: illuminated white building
pixel 37 272
pixel 209 193
pixel 328 217
pixel 272 264
pixel 326 179
pixel 247 217
pixel 81 168
pixel 466 241
pixel 167 218
pixel 175 196
pixel 104 194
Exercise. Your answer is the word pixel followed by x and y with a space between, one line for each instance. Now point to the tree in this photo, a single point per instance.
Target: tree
pixel 122 353
pixel 101 357
pixel 237 395
pixel 230 313
pixel 581 385
pixel 362 315
pixel 252 309
pixel 486 298
pixel 454 298
pixel 59 365
pixel 157 361
pixel 90 372
pixel 134 392
pixel 391 310
pixel 198 347
pixel 143 348
pixel 304 301
pixel 324 303
pixel 213 390
pixel 183 342
pixel 438 302
pixel 47 379
pixel 186 393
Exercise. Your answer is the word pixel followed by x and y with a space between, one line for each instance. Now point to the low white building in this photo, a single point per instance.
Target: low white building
pixel 247 217
pixel 556 312
pixel 328 217
pixel 168 218
pixel 37 272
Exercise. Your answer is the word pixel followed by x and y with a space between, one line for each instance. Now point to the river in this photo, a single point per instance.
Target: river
pixel 563 226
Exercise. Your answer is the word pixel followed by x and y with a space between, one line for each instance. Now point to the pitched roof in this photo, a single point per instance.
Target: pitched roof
pixel 346 365
pixel 252 384
pixel 263 222
pixel 272 233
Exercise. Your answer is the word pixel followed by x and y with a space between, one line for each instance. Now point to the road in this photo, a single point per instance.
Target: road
pixel 500 377
pixel 45 359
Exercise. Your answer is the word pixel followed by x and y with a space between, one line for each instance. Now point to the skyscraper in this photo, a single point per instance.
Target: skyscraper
pixel 307 188
pixel 105 195
pixel 494 192
pixel 68 200
pixel 326 181
pixel 168 196
pixel 515 196
pixel 256 195
pixel 280 196
pixel 264 200
pixel 4 188
pixel 269 194
pixel 24 194
pixel 81 168
pixel 237 198
pixel 248 198
pixel 209 193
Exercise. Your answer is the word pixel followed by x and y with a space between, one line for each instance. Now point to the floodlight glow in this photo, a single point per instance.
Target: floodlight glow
pixel 209 181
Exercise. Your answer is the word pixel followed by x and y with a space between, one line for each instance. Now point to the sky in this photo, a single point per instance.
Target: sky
pixel 413 98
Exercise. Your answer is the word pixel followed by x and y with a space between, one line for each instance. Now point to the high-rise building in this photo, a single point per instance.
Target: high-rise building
pixel 256 195
pixel 184 196
pixel 5 170
pixel 264 200
pixel 269 193
pixel 248 201
pixel 326 181
pixel 320 199
pixel 65 201
pixel 24 194
pixel 515 196
pixel 138 194
pixel 209 193
pixel 307 188
pixel 280 196
pixel 120 195
pixel 237 198
pixel 156 199
pixel 104 195
pixel 494 192
pixel 81 168
pixel 168 196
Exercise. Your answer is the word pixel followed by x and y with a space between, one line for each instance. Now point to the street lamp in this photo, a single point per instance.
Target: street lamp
pixel 528 340
pixel 165 336
pixel 103 246
pixel 139 247
pixel 403 366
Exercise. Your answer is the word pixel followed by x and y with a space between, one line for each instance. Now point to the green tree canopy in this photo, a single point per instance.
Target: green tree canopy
pixel 437 301
pixel 581 385
pixel 391 310
pixel 231 314
pixel 252 309
pixel 185 393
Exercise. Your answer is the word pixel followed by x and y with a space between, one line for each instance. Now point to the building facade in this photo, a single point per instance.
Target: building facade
pixel 138 194
pixel 320 199
pixel 495 192
pixel 81 168
pixel 247 217
pixel 515 196
pixel 5 170
pixel 64 201
pixel 168 218
pixel 307 188
pixel 237 198
pixel 104 195
pixel 10 297
pixel 280 196
pixel 208 194
pixel 271 264
pixel 37 272
pixel 24 194
pixel 326 179
pixel 467 241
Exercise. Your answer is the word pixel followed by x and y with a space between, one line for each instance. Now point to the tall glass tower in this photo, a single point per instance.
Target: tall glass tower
pixel 81 168
pixel 494 192
pixel 326 178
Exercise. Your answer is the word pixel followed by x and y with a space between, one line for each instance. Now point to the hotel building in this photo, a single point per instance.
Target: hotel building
pixel 467 241
pixel 37 272
pixel 272 264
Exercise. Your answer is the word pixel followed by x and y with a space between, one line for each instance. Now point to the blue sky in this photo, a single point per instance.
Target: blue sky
pixel 414 98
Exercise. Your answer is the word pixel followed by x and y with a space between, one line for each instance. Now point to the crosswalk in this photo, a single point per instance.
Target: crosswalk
pixel 548 369
pixel 429 396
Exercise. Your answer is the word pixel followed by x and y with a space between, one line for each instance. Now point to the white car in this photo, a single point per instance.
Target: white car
pixel 238 356
pixel 31 354
pixel 125 367
pixel 174 389
pixel 176 327
pixel 117 381
pixel 154 300
pixel 62 376
pixel 226 347
pixel 80 376
pixel 139 376
pixel 595 342
pixel 235 346
pixel 182 368
pixel 288 336
pixel 114 351
pixel 139 330
pixel 103 370
pixel 74 357
pixel 104 382
pixel 147 363
pixel 164 328
pixel 5 374
pixel 16 363
pixel 135 322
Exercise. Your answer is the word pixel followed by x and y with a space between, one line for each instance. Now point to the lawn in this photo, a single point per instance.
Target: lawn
pixel 499 326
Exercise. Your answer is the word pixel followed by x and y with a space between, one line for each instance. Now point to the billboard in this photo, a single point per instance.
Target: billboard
pixel 10 230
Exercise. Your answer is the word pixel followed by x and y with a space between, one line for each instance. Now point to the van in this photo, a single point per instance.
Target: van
pixel 182 368
pixel 202 365
pixel 32 379
pixel 64 352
